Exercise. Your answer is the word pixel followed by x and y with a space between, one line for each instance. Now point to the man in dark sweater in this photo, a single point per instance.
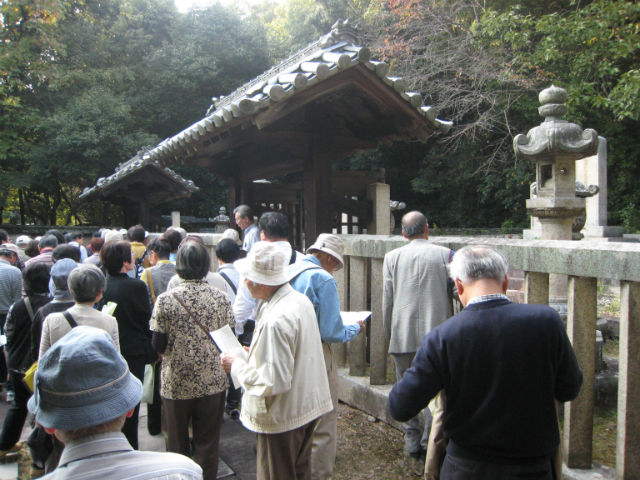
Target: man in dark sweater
pixel 502 367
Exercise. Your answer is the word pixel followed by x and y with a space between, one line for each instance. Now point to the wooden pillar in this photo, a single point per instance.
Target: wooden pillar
pixel 317 193
pixel 581 328
pixel 377 340
pixel 233 198
pixel 144 217
pixel 536 288
pixel 628 432
pixel 357 302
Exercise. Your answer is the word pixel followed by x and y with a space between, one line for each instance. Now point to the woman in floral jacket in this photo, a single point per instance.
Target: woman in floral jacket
pixel 193 384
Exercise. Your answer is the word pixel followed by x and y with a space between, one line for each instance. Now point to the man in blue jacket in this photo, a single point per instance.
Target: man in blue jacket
pixel 313 277
pixel 502 367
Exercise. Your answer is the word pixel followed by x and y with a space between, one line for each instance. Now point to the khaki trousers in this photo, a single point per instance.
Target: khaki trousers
pixel 416 434
pixel 325 435
pixel 285 455
pixel 204 414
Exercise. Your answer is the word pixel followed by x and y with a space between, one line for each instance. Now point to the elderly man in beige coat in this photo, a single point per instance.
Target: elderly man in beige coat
pixel 415 300
pixel 284 378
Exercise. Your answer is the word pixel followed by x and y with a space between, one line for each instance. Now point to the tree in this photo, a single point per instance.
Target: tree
pixel 593 52
pixel 118 76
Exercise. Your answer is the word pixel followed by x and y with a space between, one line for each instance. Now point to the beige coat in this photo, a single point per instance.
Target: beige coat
pixel 56 326
pixel 415 298
pixel 284 379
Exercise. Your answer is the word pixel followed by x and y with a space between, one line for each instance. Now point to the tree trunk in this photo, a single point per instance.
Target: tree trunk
pixel 21 201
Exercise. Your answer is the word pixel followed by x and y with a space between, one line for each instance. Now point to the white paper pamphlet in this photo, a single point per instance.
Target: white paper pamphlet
pixel 228 343
pixel 109 308
pixel 351 318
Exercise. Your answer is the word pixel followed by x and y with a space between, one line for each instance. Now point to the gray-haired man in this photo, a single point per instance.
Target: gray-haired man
pixel 244 219
pixel 415 301
pixel 83 394
pixel 502 367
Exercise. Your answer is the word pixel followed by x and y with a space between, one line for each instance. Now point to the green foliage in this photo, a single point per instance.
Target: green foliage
pixel 592 50
pixel 96 81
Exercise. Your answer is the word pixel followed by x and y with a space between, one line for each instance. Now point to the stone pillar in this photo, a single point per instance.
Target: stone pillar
pixel 628 431
pixel 593 171
pixel 357 348
pixel 581 328
pixel 377 340
pixel 342 279
pixel 380 196
pixel 536 288
pixel 175 219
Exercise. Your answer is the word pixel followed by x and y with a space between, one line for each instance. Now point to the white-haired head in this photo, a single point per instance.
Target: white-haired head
pixel 477 262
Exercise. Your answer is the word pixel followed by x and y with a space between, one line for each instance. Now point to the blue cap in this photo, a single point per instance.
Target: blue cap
pixel 63 267
pixel 82 381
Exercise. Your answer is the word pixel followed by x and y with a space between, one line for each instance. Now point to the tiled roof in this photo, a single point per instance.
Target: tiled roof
pixel 335 52
pixel 140 161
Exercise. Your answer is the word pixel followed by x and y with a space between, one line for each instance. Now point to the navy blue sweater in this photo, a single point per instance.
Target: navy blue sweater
pixel 502 366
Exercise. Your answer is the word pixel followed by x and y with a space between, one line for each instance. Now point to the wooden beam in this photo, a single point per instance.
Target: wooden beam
pixel 363 209
pixel 354 182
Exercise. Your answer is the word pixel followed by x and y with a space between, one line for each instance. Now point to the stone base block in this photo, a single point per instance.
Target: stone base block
pixel 532 234
pixel 598 472
pixel 591 232
pixel 359 393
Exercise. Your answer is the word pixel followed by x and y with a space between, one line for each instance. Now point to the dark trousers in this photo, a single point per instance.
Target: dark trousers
pixel 457 468
pixel 154 411
pixel 205 416
pixel 3 358
pixel 130 428
pixel 234 395
pixel 285 455
pixel 17 414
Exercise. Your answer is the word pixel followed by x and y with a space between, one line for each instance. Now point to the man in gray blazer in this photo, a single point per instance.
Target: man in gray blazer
pixel 415 301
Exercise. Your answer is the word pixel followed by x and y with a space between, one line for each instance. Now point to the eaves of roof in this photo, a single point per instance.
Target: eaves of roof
pixel 131 167
pixel 334 53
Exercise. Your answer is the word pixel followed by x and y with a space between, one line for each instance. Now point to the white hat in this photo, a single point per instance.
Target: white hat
pixel 331 244
pixel 23 240
pixel 232 234
pixel 265 264
pixel 8 249
pixel 112 235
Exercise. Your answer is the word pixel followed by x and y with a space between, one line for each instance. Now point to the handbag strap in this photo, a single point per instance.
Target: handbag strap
pixel 27 303
pixel 206 332
pixel 70 319
pixel 151 289
pixel 226 277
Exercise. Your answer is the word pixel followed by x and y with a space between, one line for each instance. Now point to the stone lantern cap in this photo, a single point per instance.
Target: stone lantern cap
pixel 555 137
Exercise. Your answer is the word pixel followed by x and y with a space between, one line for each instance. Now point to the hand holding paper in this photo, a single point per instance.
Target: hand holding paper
pixel 228 343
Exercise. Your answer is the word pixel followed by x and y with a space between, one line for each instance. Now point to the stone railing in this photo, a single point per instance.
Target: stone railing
pixel 360 283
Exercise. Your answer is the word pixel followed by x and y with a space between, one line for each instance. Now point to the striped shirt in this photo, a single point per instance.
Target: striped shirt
pixel 486 298
pixel 109 456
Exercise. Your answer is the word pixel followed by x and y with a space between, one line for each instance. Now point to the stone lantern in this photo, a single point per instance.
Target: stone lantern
pixel 554 146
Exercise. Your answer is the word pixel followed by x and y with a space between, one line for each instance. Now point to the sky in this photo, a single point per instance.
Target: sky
pixel 185 5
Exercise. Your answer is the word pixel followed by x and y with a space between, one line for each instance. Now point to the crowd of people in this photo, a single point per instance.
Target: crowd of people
pixel 131 308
